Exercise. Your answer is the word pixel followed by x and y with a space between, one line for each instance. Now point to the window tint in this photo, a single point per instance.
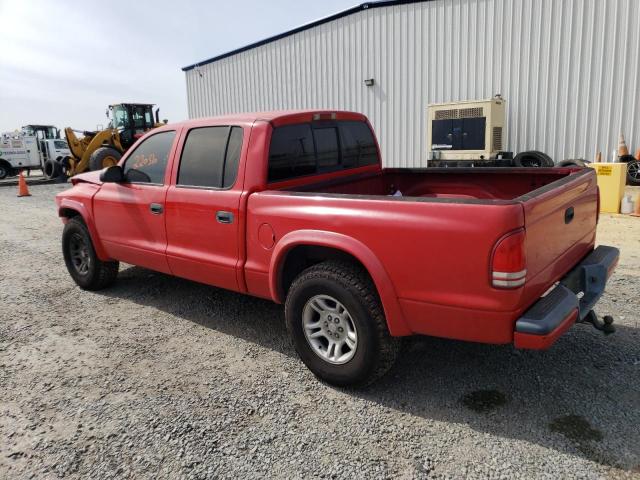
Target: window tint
pixel 233 157
pixel 327 150
pixel 292 153
pixel 203 161
pixel 295 152
pixel 148 161
pixel 203 157
pixel 358 145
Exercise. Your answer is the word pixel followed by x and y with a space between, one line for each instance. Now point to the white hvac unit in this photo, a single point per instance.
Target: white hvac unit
pixel 466 131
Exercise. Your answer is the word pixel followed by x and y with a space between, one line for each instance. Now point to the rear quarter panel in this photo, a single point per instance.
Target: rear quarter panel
pixel 434 253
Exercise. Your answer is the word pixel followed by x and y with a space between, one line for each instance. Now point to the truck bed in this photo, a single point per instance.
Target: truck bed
pixel 453 184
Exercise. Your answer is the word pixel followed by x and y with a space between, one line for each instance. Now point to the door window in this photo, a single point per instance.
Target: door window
pixel 148 162
pixel 210 157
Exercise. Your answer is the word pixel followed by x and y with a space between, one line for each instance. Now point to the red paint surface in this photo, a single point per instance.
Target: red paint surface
pixel 428 252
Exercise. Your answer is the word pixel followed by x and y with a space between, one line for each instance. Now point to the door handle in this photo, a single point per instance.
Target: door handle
pixel 155 208
pixel 224 217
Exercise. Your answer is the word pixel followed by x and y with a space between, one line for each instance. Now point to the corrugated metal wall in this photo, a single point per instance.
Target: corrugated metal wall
pixel 569 70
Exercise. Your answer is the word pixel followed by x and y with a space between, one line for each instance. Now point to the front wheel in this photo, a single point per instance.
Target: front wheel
pixel 84 266
pixel 337 324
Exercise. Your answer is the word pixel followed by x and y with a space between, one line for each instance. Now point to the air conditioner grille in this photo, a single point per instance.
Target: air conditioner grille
pixel 453 113
pixel 497 139
pixel 471 112
pixel 447 114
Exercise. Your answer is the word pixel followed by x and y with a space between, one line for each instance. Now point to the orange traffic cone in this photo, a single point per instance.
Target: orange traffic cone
pixel 638 154
pixel 599 157
pixel 622 147
pixel 23 189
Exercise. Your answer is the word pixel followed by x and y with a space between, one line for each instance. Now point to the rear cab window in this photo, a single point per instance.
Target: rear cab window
pixel 320 147
pixel 210 157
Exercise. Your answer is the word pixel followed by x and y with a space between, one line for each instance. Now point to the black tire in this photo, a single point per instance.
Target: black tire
pixel 633 172
pixel 375 350
pixel 76 246
pixel 5 170
pixel 532 158
pixel 52 169
pixel 104 157
pixel 573 162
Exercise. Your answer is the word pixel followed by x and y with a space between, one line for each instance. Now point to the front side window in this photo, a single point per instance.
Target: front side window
pixel 120 117
pixel 60 145
pixel 148 162
pixel 210 157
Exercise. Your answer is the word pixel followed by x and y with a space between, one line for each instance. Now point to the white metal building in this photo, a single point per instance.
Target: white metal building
pixel 569 70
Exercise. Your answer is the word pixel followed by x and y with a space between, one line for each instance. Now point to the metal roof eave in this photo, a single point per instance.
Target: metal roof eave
pixel 306 26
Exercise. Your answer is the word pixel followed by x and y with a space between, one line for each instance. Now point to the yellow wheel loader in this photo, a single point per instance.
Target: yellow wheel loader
pixel 104 148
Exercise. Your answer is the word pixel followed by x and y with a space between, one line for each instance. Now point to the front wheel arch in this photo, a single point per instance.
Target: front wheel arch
pixel 72 208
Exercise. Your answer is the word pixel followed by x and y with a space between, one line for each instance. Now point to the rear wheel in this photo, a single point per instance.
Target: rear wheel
pixel 52 169
pixel 633 172
pixel 84 266
pixel 5 170
pixel 104 157
pixel 337 325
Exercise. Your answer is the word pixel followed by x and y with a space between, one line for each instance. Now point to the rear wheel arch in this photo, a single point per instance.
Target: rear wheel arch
pixel 298 251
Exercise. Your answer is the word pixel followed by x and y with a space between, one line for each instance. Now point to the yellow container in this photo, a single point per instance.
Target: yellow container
pixel 612 178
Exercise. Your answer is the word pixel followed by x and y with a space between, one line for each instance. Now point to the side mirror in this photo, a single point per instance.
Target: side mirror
pixel 112 174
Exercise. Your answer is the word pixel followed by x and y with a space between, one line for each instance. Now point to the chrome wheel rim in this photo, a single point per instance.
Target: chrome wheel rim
pixel 79 252
pixel 329 329
pixel 633 169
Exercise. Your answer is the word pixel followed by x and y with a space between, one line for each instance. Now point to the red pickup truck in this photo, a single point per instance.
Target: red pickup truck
pixel 295 207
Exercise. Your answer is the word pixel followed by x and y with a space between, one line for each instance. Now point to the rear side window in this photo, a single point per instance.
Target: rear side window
pixel 148 161
pixel 210 157
pixel 305 149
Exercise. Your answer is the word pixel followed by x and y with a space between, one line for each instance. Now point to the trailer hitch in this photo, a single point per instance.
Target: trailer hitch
pixel 605 326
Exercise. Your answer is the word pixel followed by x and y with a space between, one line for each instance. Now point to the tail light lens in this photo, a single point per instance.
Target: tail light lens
pixel 509 263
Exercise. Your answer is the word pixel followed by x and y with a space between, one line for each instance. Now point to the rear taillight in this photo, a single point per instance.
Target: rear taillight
pixel 509 263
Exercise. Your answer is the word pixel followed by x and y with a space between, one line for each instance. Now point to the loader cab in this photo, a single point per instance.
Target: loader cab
pixel 131 120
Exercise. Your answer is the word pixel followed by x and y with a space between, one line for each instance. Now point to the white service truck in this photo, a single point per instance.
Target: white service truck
pixel 34 147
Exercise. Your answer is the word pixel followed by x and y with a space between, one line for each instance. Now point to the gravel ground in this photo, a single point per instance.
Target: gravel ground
pixel 159 377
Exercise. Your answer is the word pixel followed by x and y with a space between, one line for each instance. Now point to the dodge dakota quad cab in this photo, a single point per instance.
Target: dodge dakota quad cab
pixel 295 207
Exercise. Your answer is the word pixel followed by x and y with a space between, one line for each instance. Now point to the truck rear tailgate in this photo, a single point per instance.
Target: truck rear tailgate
pixel 560 223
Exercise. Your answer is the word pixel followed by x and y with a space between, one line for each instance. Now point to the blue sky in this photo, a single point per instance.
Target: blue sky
pixel 63 62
